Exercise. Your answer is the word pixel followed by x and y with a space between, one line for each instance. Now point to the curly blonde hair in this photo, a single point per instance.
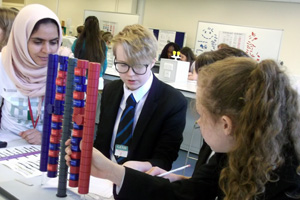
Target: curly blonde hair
pixel 264 110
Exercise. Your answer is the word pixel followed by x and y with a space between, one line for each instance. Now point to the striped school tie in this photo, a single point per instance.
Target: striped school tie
pixel 124 133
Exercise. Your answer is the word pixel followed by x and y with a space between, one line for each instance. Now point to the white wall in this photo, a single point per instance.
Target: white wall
pixel 184 16
pixel 73 10
pixel 50 4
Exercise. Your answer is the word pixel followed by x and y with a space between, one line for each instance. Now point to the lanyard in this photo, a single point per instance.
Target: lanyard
pixel 34 122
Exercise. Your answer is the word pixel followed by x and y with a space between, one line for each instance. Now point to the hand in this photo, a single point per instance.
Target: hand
pixel 193 76
pixel 138 165
pixel 155 171
pixel 101 166
pixel 32 136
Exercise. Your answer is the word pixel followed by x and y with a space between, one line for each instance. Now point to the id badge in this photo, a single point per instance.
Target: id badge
pixel 121 150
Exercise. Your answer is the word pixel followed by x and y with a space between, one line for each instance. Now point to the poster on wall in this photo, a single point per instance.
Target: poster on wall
pixel 259 43
pixel 108 26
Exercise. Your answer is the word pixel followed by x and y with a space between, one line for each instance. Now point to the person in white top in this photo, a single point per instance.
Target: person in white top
pixel 35 34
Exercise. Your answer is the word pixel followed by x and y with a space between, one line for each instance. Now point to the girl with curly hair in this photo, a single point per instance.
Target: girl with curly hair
pixel 249 115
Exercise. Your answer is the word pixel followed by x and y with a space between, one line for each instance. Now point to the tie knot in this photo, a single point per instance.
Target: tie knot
pixel 131 101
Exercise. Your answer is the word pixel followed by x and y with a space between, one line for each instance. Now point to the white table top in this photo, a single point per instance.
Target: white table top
pixel 32 188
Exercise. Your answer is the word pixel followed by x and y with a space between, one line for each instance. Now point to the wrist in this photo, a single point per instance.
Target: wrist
pixel 117 174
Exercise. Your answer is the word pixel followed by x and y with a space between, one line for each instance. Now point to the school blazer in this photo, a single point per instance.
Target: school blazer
pixel 158 133
pixel 204 183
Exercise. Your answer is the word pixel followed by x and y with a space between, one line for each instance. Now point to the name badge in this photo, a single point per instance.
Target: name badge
pixel 121 150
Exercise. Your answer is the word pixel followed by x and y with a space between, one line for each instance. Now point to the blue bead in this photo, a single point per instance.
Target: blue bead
pixel 75 162
pixel 74 177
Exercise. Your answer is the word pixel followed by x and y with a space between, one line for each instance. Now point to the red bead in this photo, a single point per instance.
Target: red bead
pixel 60 96
pixel 73 183
pixel 57 118
pixel 60 82
pixel 79 71
pixel 62 74
pixel 55 139
pixel 83 64
pixel 53 153
pixel 52 168
pixel 78 95
pixel 77 133
pixel 56 132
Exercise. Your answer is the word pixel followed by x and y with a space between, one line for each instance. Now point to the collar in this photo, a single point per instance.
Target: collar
pixel 140 92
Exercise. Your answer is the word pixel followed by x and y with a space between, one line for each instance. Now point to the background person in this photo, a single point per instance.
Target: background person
pixel 186 54
pixel 7 17
pixel 107 37
pixel 79 30
pixel 90 46
pixel 167 51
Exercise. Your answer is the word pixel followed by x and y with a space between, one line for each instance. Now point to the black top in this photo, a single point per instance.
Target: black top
pixel 204 183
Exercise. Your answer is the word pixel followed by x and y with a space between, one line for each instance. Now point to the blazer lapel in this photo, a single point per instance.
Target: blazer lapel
pixel 112 106
pixel 147 111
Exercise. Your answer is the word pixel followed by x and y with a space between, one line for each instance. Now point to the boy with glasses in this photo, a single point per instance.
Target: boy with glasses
pixel 142 118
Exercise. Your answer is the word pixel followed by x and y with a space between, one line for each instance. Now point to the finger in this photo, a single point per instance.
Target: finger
pixel 68 142
pixel 68 159
pixel 33 136
pixel 35 140
pixel 21 134
pixel 32 139
pixel 68 150
pixel 26 134
pixel 30 131
pixel 155 171
pixel 29 137
pixel 149 171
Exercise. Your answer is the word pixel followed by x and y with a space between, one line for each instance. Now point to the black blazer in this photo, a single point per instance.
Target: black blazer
pixel 158 132
pixel 203 184
pixel 203 155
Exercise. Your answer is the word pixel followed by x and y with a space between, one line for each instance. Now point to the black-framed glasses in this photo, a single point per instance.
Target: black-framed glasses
pixel 139 69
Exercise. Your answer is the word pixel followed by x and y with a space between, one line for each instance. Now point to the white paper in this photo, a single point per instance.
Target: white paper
pixel 24 160
pixel 99 188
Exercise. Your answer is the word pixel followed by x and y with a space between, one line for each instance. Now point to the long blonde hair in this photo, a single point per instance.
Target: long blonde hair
pixel 264 109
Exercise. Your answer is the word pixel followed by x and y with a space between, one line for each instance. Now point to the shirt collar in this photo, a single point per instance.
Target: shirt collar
pixel 140 92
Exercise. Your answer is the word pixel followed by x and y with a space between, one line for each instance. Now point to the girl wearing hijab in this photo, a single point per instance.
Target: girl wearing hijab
pixel 35 34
